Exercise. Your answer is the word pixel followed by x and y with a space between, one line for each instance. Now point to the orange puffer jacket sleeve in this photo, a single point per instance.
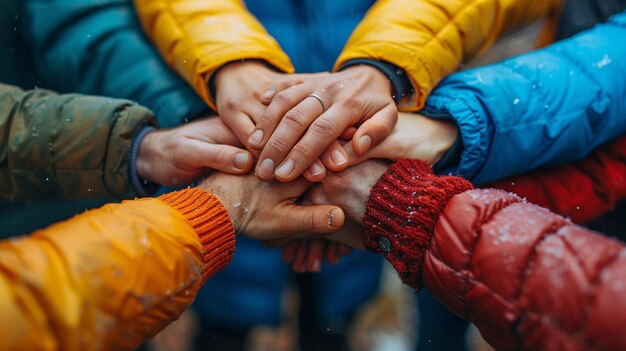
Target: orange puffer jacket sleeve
pixel 112 277
pixel 429 39
pixel 528 279
pixel 196 37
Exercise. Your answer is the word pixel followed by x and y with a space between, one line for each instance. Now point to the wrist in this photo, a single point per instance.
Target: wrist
pixel 401 214
pixel 231 198
pixel 443 135
pixel 447 138
pixel 237 68
pixel 375 78
pixel 400 82
pixel 146 154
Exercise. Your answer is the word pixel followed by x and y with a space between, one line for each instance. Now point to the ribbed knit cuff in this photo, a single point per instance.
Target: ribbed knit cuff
pixel 141 188
pixel 401 214
pixel 211 221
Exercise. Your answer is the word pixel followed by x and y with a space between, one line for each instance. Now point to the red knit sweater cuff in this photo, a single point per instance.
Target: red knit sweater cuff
pixel 210 220
pixel 401 214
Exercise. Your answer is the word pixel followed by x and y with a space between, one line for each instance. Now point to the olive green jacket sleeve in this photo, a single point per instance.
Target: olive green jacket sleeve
pixel 68 146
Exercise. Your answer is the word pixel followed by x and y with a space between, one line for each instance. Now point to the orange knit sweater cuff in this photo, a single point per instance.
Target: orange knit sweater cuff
pixel 211 221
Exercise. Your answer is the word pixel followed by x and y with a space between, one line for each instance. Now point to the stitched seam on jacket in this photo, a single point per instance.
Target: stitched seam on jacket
pixel 450 22
pixel 470 263
pixel 527 273
pixel 582 68
pixel 186 37
pixel 596 283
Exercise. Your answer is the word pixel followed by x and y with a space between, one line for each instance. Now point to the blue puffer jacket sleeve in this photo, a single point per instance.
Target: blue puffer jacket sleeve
pixel 97 47
pixel 550 106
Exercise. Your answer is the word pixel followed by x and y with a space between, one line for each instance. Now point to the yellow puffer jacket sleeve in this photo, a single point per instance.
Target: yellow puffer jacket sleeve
pixel 113 277
pixel 196 37
pixel 428 39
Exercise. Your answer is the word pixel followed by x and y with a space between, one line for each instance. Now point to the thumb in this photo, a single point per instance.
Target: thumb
pixel 318 219
pixel 224 158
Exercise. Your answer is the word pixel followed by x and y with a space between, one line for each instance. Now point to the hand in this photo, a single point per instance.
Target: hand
pixel 414 137
pixel 297 128
pixel 349 189
pixel 266 211
pixel 238 89
pixel 183 154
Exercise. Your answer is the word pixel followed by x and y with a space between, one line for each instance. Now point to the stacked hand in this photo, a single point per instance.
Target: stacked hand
pixel 300 128
pixel 349 190
pixel 181 155
pixel 303 125
pixel 266 211
pixel 414 137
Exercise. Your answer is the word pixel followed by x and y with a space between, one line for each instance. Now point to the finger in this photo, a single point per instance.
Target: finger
pixel 213 128
pixel 283 84
pixel 315 255
pixel 241 125
pixel 319 219
pixel 224 158
pixel 331 253
pixel 273 114
pixel 285 136
pixel 334 158
pixel 299 261
pixel 289 250
pixel 316 172
pixel 348 133
pixel 374 130
pixel 355 159
pixel 291 80
pixel 322 132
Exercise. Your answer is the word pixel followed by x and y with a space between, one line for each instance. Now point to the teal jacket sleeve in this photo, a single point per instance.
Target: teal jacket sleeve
pixel 550 106
pixel 97 47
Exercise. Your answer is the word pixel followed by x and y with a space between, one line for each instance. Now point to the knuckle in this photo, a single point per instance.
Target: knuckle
pixel 309 224
pixel 265 120
pixel 283 99
pixel 296 118
pixel 350 102
pixel 303 150
pixel 276 145
pixel 232 104
pixel 324 127
pixel 221 157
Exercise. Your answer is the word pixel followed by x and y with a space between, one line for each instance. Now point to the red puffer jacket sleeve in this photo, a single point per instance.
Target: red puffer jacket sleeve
pixel 528 279
pixel 582 190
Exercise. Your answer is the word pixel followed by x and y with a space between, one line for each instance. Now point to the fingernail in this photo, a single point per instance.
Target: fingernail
pixel 240 161
pixel 256 138
pixel 338 158
pixel 266 169
pixel 317 265
pixel 286 168
pixel 316 169
pixel 332 218
pixel 365 142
